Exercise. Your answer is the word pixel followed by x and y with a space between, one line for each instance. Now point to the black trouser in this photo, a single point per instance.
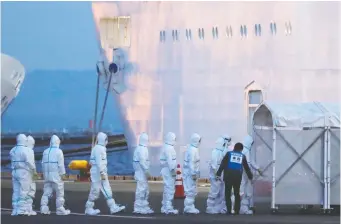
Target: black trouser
pixel 232 181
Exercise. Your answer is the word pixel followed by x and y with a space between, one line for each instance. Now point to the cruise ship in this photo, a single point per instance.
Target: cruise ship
pixel 12 77
pixel 204 67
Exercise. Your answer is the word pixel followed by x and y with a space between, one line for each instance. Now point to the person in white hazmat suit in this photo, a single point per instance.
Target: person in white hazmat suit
pixel 216 197
pixel 54 175
pixel 191 173
pixel 246 187
pixel 23 170
pixel 141 167
pixel 32 192
pixel 99 178
pixel 168 173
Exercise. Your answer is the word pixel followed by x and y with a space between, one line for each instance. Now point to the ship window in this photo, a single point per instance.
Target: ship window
pixel 243 31
pixel 202 33
pixel 176 35
pixel 253 98
pixel 199 33
pixel 228 31
pixel 188 34
pixel 16 87
pixel 258 30
pixel 3 99
pixel 162 36
pixel 288 28
pixel 173 34
pixel 215 32
pixel 273 28
pixel 115 31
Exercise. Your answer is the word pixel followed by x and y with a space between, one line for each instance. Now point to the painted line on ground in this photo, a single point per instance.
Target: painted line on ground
pixel 82 214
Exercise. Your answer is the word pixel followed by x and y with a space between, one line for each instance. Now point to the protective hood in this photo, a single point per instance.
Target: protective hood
pixel 143 139
pixel 219 144
pixel 170 138
pixel 102 139
pixel 30 142
pixel 22 140
pixel 55 141
pixel 195 140
pixel 227 140
pixel 247 142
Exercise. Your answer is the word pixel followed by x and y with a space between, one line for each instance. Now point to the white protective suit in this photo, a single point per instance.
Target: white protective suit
pixel 23 168
pixel 99 178
pixel 216 196
pixel 53 171
pixel 246 187
pixel 168 173
pixel 141 167
pixel 191 173
pixel 32 192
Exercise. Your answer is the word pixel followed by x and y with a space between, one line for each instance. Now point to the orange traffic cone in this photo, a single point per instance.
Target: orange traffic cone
pixel 179 187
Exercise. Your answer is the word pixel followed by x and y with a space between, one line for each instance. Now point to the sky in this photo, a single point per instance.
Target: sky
pixel 49 35
pixel 56 42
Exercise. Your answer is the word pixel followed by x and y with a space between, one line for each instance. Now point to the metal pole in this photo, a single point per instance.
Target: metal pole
pixel 96 105
pixel 273 192
pixel 328 168
pixel 105 103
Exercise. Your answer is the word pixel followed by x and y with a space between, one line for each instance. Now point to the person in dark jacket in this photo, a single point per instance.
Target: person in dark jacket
pixel 232 165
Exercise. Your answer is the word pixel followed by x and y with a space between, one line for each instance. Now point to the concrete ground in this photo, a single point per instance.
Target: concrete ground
pixel 124 192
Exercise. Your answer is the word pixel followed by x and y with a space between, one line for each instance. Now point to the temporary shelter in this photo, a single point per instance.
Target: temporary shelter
pixel 298 146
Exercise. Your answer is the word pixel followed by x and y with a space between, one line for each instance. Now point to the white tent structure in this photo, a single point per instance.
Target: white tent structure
pixel 298 146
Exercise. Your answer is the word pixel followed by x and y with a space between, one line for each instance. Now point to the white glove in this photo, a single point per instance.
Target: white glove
pixel 63 177
pixel 35 176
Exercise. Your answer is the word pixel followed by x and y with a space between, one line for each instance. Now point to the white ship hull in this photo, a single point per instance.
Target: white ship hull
pixel 203 84
pixel 12 77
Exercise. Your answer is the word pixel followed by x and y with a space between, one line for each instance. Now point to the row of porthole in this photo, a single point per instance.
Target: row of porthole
pixel 228 32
